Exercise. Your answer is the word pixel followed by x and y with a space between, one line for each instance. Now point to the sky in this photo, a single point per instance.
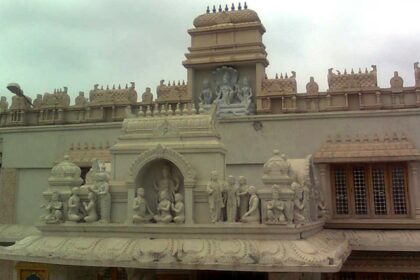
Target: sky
pixel 48 44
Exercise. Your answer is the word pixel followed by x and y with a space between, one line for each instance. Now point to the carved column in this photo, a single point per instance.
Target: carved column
pixel 324 179
pixel 130 199
pixel 8 187
pixel 413 190
pixel 189 201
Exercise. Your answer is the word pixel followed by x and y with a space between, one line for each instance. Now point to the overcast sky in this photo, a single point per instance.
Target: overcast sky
pixel 78 43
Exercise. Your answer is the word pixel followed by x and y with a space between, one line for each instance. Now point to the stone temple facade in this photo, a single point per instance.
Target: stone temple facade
pixel 228 174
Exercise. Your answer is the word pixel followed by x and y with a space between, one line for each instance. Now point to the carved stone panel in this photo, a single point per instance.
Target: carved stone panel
pixel 8 186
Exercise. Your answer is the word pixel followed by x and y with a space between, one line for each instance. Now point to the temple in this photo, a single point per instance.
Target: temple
pixel 229 174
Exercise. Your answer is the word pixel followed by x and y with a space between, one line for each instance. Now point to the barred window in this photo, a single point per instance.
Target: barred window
pixel 370 190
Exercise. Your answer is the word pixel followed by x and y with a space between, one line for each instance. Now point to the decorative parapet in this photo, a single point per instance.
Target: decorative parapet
pixel 82 154
pixel 280 85
pixel 353 81
pixel 114 96
pixel 172 92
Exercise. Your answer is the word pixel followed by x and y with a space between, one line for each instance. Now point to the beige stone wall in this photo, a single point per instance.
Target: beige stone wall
pixel 8 186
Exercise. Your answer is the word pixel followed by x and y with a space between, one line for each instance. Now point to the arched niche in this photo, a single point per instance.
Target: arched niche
pixel 157 175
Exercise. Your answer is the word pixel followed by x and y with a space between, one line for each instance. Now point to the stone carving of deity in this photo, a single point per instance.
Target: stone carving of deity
pixel 4 105
pixel 167 183
pixel 142 212
pixel 81 100
pixel 164 208
pixel 206 96
pixel 147 96
pixel 417 74
pixel 75 210
pixel 276 208
pixel 214 191
pixel 225 92
pixel 312 87
pixel 245 95
pixel 321 206
pixel 232 199
pixel 178 209
pixel 253 214
pixel 396 81
pixel 54 210
pixel 243 195
pixel 90 208
pixel 102 190
pixel 38 101
pixel 299 204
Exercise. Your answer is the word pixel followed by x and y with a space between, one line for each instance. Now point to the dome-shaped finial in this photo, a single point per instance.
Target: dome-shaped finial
pixel 226 8
pixel 220 9
pixel 245 6
pixel 239 6
pixel 208 10
pixel 232 8
pixel 214 9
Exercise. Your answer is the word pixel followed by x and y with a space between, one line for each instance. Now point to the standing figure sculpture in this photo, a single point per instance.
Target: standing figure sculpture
pixel 243 195
pixel 178 209
pixel 232 198
pixel 75 211
pixel 299 208
pixel 90 208
pixel 225 92
pixel 206 96
pixel 275 208
pixel 102 190
pixel 253 214
pixel 245 95
pixel 142 212
pixel 164 208
pixel 214 190
pixel 55 210
pixel 167 183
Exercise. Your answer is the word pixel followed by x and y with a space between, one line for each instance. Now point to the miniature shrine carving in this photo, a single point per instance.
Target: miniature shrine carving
pixel 54 208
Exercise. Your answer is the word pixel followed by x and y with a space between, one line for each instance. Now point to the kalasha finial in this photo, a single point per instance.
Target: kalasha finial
pixel 232 8
pixel 220 9
pixel 214 9
pixel 226 8
pixel 245 6
pixel 208 10
pixel 239 6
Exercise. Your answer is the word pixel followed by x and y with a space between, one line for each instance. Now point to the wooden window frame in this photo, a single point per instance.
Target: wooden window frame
pixel 351 199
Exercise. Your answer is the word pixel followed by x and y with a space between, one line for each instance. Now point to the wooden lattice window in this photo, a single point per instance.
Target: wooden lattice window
pixel 370 190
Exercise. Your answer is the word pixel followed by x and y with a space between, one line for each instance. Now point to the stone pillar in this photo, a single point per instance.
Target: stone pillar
pixel 130 198
pixel 8 187
pixel 189 202
pixel 414 192
pixel 324 179
pixel 190 84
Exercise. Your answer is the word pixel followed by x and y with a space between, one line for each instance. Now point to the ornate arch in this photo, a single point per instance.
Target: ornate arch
pixel 161 152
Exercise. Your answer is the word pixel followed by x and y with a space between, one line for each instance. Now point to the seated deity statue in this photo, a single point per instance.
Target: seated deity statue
pixel 101 188
pixel 321 206
pixel 299 208
pixel 37 101
pixel 225 92
pixel 55 210
pixel 75 211
pixel 81 100
pixel 90 208
pixel 253 214
pixel 142 212
pixel 178 209
pixel 4 105
pixel 167 183
pixel 164 208
pixel 214 190
pixel 275 208
pixel 206 96
pixel 245 94
pixel 147 96
pixel 232 199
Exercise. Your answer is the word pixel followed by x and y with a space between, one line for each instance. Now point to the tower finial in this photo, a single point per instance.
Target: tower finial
pixel 208 10
pixel 220 9
pixel 232 8
pixel 239 6
pixel 226 8
pixel 214 9
pixel 245 6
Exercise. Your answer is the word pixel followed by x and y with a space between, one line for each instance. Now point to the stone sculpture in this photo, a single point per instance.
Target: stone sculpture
pixel 245 95
pixel 37 103
pixel 75 210
pixel 101 188
pixel 4 105
pixel 167 183
pixel 243 195
pixel 164 208
pixel 232 199
pixel 178 209
pixel 276 208
pixel 396 81
pixel 225 91
pixel 55 210
pixel 299 204
pixel 81 100
pixel 147 96
pixel 206 96
pixel 214 191
pixel 142 212
pixel 312 87
pixel 417 74
pixel 90 208
pixel 321 206
pixel 253 214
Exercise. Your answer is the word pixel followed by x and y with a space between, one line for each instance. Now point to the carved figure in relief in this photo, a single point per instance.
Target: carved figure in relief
pixel 396 81
pixel 225 92
pixel 102 190
pixel 55 210
pixel 37 101
pixel 75 210
pixel 167 183
pixel 214 190
pixel 299 204
pixel 178 209
pixel 4 105
pixel 142 212
pixel 232 199
pixel 253 214
pixel 147 96
pixel 312 87
pixel 321 206
pixel 275 208
pixel 90 208
pixel 206 96
pixel 417 74
pixel 243 195
pixel 81 100
pixel 164 208
pixel 245 94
